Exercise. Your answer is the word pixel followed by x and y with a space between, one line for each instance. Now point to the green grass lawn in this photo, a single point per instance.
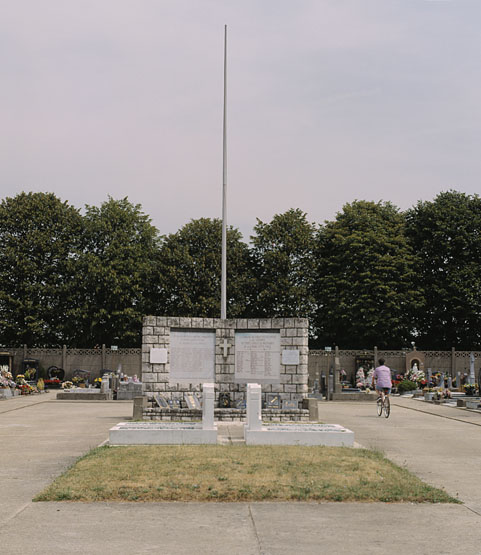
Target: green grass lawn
pixel 238 473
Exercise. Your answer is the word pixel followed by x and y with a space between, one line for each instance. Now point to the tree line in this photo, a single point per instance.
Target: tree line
pixel 375 275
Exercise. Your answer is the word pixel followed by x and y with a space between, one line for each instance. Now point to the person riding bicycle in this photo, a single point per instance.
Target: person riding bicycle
pixel 382 375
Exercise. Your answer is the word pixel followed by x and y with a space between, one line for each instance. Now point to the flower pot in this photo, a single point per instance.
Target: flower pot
pixel 428 396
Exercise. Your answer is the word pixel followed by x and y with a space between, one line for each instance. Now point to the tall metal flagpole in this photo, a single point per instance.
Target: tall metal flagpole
pixel 223 303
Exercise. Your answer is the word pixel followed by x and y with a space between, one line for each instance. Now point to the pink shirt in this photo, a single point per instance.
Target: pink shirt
pixel 383 376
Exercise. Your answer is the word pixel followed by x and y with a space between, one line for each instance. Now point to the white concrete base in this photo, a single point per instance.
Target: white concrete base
pixel 6 393
pixel 161 433
pixel 331 435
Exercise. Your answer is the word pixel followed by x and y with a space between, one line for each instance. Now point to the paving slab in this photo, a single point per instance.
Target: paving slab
pixel 243 529
pixel 41 437
pixel 441 445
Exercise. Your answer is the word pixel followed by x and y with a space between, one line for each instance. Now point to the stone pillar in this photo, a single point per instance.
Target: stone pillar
pixel 208 397
pixel 458 381
pixel 139 404
pixel 313 406
pixel 429 376
pixel 330 384
pixel 104 359
pixel 105 385
pixel 453 361
pixel 337 371
pixel 64 358
pixel 450 382
pixel 254 407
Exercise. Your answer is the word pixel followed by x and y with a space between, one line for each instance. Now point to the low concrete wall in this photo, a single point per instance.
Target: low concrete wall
pixel 354 397
pixel 224 415
pixel 63 396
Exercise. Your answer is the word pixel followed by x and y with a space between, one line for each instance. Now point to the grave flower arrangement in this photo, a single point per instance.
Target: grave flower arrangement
pixel 6 379
pixel 406 385
pixel 67 385
pixel 470 388
pixel 23 386
pixel 77 380
pixel 417 376
pixel 97 382
pixel 52 382
pixel 30 374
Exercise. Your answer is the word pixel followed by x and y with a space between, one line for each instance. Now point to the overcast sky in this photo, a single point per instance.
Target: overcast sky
pixel 328 101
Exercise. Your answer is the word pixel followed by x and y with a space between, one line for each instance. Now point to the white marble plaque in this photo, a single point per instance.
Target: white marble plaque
pixel 192 356
pixel 257 357
pixel 290 356
pixel 158 356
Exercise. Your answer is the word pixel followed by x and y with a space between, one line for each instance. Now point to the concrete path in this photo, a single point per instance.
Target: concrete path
pixel 441 445
pixel 40 437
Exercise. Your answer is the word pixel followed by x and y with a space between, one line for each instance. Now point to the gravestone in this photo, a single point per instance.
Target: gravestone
pixel 105 384
pixel 55 373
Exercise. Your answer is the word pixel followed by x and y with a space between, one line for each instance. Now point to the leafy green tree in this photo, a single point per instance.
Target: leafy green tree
pixel 39 249
pixel 446 235
pixel 118 281
pixel 365 276
pixel 285 265
pixel 190 269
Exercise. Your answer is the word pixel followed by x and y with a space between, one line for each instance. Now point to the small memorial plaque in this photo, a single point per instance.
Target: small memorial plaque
pixel 289 405
pixel 161 401
pixel 257 357
pixel 240 404
pixel 174 403
pixel 272 401
pixel 290 356
pixel 158 356
pixel 192 401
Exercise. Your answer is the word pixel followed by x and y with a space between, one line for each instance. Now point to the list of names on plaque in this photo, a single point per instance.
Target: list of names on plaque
pixel 192 357
pixel 257 357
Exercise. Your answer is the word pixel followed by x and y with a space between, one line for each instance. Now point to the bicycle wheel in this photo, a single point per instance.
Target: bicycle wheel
pixel 387 407
pixel 379 406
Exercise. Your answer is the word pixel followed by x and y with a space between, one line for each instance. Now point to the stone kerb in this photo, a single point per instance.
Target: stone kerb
pixel 156 334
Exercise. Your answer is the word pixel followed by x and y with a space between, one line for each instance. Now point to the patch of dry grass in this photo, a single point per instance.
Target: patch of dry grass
pixel 238 473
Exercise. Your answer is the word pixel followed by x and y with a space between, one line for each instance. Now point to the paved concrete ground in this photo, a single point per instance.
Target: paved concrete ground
pixel 40 437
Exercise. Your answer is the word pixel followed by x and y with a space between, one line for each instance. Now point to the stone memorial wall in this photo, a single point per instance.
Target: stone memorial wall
pixel 179 354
